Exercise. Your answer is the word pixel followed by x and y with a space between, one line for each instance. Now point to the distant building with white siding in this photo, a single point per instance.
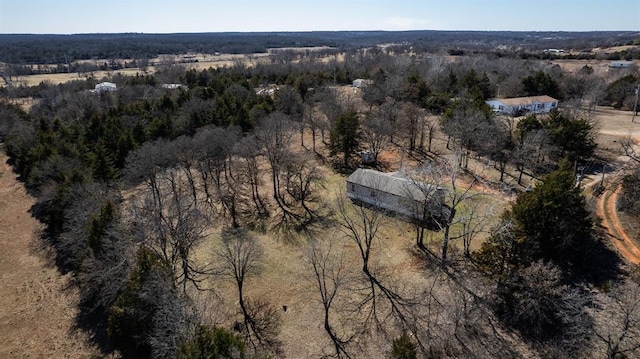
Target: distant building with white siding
pixel 105 87
pixel 523 105
pixel 359 83
pixel 173 86
pixel 620 64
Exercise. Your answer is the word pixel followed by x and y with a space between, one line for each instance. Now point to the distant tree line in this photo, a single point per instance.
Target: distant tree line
pixel 58 49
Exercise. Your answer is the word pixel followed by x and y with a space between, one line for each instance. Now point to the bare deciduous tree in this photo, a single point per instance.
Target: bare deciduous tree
pixel 302 178
pixel 463 125
pixel 381 301
pixel 412 123
pixel 458 191
pixel 376 132
pixel 619 324
pixel 172 225
pixel 331 276
pixel 249 168
pixel 221 185
pixel 429 125
pixel 274 134
pixel 169 221
pixel 240 254
pixel 537 302
pixel 629 148
pixel 332 107
pixel 289 103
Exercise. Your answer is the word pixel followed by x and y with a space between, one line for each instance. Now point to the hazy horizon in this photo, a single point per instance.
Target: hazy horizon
pixel 199 16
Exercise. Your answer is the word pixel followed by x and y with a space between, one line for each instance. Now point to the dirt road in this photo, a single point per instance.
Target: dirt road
pixel 37 304
pixel 606 210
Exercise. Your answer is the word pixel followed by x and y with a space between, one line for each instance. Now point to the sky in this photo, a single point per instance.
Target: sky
pixel 171 16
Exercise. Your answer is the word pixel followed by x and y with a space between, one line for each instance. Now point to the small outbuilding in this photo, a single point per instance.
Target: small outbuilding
pixel 518 106
pixel 367 157
pixel 397 194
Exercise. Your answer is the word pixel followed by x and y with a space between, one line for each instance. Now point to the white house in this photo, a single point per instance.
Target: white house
pixel 105 87
pixel 398 195
pixel 523 105
pixel 359 83
pixel 620 64
pixel 173 86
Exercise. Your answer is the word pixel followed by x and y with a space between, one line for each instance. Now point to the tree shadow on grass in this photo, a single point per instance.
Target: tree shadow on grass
pixel 94 322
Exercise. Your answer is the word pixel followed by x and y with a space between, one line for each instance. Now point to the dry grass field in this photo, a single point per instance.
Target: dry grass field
pixel 38 305
pixel 33 80
pixel 600 67
pixel 204 61
pixel 615 126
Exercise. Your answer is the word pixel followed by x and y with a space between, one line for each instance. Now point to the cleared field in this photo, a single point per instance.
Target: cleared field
pixel 197 61
pixel 225 60
pixel 615 126
pixel 38 305
pixel 33 80
pixel 614 48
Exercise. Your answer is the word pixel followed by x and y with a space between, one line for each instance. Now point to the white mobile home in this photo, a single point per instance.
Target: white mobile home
pixel 523 105
pixel 620 64
pixel 397 194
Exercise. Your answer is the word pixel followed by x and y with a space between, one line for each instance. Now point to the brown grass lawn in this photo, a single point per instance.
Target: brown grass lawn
pixel 285 279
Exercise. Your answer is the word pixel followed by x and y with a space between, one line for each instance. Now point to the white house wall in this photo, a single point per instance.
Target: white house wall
pixel 534 107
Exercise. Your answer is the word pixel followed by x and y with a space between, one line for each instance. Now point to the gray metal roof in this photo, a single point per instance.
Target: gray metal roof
pixel 396 183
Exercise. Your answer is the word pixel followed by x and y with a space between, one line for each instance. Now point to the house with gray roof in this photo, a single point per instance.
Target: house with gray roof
pixel 397 194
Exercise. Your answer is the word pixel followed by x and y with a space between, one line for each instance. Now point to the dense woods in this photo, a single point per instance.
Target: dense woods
pixel 159 201
pixel 59 49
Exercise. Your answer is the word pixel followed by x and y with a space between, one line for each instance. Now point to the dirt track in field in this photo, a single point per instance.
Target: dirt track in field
pixel 606 210
pixel 616 126
pixel 38 305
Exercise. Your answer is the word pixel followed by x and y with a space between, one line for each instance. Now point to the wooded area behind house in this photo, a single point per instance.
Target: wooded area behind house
pixel 211 219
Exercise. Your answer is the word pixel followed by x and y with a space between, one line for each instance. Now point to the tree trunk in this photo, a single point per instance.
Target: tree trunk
pixel 313 138
pixel 445 246
pixel 420 236
pixel 430 139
